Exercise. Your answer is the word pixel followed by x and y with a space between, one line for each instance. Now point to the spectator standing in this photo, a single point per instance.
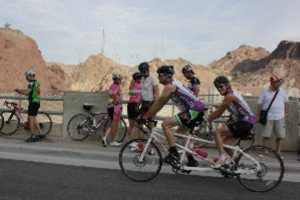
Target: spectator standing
pixel 33 92
pixel 277 114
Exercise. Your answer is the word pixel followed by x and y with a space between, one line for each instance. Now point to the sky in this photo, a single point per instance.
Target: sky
pixel 134 31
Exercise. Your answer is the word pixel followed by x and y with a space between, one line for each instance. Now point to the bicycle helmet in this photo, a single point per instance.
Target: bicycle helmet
pixel 221 79
pixel 136 75
pixel 116 76
pixel 143 66
pixel 166 69
pixel 30 72
pixel 187 68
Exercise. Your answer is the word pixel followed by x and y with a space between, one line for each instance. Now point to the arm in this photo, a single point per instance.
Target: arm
pixel 23 92
pixel 286 109
pixel 161 101
pixel 222 107
pixel 196 91
pixel 259 108
pixel 155 93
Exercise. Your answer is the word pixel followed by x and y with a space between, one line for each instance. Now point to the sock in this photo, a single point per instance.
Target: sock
pixel 190 157
pixel 222 157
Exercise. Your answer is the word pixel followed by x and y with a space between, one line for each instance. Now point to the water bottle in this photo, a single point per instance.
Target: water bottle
pixel 191 145
pixel 201 152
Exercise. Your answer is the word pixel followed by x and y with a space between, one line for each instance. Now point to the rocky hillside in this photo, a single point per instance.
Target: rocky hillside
pixel 19 53
pixel 248 68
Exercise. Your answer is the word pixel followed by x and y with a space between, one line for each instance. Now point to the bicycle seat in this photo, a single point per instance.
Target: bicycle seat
pixel 88 106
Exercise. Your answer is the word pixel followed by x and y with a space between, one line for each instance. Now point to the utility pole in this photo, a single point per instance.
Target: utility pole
pixel 103 42
pixel 162 45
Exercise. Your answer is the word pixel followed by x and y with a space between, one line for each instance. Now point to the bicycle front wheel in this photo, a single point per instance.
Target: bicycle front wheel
pixel 44 121
pixel 11 123
pixel 265 175
pixel 133 166
pixel 77 127
pixel 121 130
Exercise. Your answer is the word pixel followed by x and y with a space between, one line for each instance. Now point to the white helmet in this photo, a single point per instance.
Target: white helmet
pixel 30 72
pixel 116 76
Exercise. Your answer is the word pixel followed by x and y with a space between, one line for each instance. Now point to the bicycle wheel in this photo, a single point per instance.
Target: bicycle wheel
pixel 11 123
pixel 1 121
pixel 203 133
pixel 136 170
pixel 77 129
pixel 44 121
pixel 121 130
pixel 260 178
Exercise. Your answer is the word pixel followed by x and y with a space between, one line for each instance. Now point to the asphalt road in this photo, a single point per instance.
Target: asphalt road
pixel 32 180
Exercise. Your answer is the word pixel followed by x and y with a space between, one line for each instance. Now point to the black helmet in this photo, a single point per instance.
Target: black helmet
pixel 187 68
pixel 221 79
pixel 143 66
pixel 165 70
pixel 136 75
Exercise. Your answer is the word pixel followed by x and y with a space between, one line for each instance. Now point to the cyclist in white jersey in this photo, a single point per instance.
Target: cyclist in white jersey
pixel 242 118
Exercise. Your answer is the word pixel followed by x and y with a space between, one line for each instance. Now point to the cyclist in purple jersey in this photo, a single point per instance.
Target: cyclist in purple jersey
pixel 192 109
pixel 194 82
pixel 242 118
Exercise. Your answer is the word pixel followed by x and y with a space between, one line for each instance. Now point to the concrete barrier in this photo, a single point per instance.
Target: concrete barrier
pixel 73 102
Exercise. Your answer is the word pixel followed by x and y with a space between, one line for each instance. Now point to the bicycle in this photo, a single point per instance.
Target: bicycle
pixel 13 119
pixel 1 122
pixel 81 126
pixel 253 172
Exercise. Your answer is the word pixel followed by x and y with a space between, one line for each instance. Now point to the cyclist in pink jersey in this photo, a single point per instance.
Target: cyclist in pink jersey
pixel 135 93
pixel 114 109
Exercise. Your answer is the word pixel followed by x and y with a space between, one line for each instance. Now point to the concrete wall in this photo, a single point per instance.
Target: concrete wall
pixel 73 102
pixel 290 143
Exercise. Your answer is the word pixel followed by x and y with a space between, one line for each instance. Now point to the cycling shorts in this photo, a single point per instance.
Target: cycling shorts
pixel 240 128
pixel 33 109
pixel 132 111
pixel 114 113
pixel 187 118
pixel 145 107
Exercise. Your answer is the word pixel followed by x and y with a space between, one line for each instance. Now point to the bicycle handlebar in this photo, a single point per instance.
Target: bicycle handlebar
pixel 6 103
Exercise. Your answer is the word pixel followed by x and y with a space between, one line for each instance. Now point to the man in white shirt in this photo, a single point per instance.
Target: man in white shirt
pixel 150 90
pixel 277 113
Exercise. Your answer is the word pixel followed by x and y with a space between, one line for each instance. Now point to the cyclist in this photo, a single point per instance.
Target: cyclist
pixel 191 110
pixel 114 110
pixel 242 118
pixel 194 82
pixel 150 92
pixel 193 85
pixel 135 93
pixel 33 93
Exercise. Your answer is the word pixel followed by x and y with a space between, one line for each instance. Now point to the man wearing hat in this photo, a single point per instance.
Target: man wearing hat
pixel 277 113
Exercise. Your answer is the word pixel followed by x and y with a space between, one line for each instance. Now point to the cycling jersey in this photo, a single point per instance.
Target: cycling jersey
pixel 194 82
pixel 135 93
pixel 240 111
pixel 184 99
pixel 34 88
pixel 114 87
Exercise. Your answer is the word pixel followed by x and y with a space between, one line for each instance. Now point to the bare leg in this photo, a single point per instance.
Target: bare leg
pixel 278 145
pixel 266 141
pixel 31 120
pixel 219 133
pixel 113 126
pixel 132 129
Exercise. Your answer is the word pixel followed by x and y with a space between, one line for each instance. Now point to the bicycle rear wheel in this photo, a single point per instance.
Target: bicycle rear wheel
pixel 11 123
pixel 260 178
pixel 121 130
pixel 77 129
pixel 136 170
pixel 205 134
pixel 44 121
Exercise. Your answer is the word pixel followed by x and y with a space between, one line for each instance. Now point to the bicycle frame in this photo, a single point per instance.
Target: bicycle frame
pixel 16 110
pixel 157 133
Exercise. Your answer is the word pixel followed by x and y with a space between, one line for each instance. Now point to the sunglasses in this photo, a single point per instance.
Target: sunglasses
pixel 159 75
pixel 219 86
